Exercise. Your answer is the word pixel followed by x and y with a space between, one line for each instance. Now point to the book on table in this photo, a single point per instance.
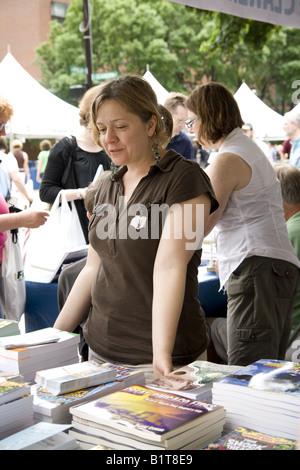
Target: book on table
pixel 248 439
pixel 74 377
pixel 9 327
pixel 34 272
pixel 10 390
pixel 194 380
pixel 16 415
pixel 41 349
pixel 16 407
pixel 264 396
pixel 40 436
pixel 55 409
pixel 149 418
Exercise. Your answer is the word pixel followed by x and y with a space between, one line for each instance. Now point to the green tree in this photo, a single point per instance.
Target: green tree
pixel 181 45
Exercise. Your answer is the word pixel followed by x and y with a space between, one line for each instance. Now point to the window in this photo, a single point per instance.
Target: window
pixel 58 11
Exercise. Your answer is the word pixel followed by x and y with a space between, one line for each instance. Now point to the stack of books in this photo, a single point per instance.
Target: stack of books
pixel 264 396
pixel 16 408
pixel 55 409
pixel 194 381
pixel 41 349
pixel 73 377
pixel 40 436
pixel 9 327
pixel 248 439
pixel 140 418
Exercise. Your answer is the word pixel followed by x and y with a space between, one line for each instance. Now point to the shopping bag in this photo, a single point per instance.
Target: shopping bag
pixel 61 234
pixel 12 280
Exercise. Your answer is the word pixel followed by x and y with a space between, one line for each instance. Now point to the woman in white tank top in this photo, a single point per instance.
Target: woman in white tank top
pixel 257 263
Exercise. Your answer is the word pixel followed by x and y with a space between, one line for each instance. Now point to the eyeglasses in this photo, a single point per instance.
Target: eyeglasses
pixel 190 122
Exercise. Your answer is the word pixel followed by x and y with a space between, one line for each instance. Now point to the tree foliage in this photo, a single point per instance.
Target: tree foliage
pixel 182 46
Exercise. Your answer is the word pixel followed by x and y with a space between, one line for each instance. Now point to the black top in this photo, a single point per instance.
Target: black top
pixel 83 169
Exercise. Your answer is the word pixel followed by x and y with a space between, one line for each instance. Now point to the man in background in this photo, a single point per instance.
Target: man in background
pixel 180 141
pixel 292 128
pixel 289 177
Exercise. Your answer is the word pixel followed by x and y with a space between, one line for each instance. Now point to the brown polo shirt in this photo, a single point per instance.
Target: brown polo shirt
pixel 119 326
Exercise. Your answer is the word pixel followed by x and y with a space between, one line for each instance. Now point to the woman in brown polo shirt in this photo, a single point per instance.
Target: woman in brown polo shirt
pixel 145 240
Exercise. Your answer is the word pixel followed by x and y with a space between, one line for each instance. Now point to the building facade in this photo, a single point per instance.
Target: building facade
pixel 24 25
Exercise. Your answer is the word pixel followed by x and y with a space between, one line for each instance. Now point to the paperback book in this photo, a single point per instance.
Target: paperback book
pixel 9 327
pixel 16 415
pixel 248 439
pixel 55 409
pixel 264 396
pixel 10 391
pixel 194 380
pixel 42 349
pixel 157 418
pixel 36 273
pixel 40 436
pixel 74 377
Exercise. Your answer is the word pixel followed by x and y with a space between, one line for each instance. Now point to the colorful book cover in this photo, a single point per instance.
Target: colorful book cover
pixel 46 403
pixel 194 379
pixel 248 439
pixel 10 390
pixel 150 414
pixel 272 375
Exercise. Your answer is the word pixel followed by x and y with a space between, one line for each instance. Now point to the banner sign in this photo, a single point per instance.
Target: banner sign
pixel 279 12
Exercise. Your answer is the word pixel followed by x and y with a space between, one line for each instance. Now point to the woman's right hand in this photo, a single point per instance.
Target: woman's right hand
pixel 30 218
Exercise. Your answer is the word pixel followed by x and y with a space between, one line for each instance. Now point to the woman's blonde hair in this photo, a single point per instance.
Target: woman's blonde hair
pixel 85 105
pixel 5 108
pixel 138 97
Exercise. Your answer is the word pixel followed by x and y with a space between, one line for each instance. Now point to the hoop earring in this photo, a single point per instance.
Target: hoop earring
pixel 156 153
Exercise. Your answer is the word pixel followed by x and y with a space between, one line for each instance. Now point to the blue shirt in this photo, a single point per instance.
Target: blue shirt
pixel 295 152
pixel 182 144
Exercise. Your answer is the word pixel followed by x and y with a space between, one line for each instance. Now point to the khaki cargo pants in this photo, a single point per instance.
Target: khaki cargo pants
pixel 260 302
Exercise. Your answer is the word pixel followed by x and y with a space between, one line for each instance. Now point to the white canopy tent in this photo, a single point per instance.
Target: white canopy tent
pixel 161 93
pixel 38 113
pixel 267 124
pixel 280 12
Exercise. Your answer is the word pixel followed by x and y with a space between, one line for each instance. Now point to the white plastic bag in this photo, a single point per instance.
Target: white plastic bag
pixel 12 281
pixel 60 234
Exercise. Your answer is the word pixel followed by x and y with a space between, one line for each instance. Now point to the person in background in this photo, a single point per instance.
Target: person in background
pixel 292 128
pixel 289 177
pixel 8 162
pixel 22 159
pixel 84 156
pixel 257 264
pixel 248 130
pixel 140 278
pixel 42 158
pixel 180 141
pixel 28 218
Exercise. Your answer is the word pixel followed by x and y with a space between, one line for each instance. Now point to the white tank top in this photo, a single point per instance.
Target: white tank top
pixel 252 222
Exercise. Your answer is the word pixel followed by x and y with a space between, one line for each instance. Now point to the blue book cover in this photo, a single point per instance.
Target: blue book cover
pixel 268 375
